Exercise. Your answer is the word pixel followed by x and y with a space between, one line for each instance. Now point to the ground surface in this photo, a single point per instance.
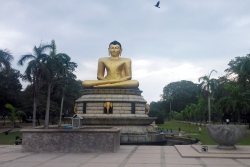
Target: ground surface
pixel 127 156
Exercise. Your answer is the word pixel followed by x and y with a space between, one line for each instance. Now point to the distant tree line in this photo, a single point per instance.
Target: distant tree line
pixel 212 100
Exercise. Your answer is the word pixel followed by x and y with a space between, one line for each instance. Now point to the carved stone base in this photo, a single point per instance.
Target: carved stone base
pixel 120 108
pixel 125 103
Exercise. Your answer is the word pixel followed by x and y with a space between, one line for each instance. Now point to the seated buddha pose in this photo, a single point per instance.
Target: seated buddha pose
pixel 118 70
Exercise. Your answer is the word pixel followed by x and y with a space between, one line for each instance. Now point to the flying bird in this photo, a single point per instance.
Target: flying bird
pixel 157 4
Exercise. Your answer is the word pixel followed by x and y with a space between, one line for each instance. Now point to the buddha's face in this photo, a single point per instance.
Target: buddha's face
pixel 115 50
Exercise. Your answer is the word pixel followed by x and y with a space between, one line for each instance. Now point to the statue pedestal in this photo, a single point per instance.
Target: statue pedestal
pixel 125 109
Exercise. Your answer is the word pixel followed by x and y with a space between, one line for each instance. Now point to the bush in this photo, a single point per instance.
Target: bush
pixel 160 118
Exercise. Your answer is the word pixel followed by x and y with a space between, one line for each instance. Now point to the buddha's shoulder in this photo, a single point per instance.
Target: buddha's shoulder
pixel 108 59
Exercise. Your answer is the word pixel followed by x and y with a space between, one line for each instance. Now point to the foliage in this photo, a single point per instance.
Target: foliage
pixel 35 71
pixel 13 114
pixel 208 87
pixel 180 94
pixel 160 118
pixel 56 65
pixel 5 58
pixel 240 66
pixel 10 88
pixel 238 101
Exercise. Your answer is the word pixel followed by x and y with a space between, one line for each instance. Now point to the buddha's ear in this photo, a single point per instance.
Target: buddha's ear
pixel 109 52
pixel 121 52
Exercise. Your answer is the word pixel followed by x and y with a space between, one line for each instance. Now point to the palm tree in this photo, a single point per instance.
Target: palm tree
pixel 5 58
pixel 34 72
pixel 208 87
pixel 65 86
pixel 56 65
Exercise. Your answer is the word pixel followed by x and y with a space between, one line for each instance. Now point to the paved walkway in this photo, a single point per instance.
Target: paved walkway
pixel 127 156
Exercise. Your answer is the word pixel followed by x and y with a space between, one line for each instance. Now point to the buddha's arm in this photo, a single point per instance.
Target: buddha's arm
pixel 127 70
pixel 100 70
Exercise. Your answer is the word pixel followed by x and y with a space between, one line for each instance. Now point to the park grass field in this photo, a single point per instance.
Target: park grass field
pixel 10 138
pixel 192 131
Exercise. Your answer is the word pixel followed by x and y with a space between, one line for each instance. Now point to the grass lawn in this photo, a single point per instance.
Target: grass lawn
pixel 193 132
pixel 10 138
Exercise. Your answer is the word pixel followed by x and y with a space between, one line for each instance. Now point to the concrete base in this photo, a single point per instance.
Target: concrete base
pixel 226 135
pixel 226 147
pixel 127 111
pixel 140 134
pixel 106 139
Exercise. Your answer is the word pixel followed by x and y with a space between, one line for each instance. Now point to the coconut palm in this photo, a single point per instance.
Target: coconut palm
pixel 208 87
pixel 5 58
pixel 35 71
pixel 56 66
pixel 64 86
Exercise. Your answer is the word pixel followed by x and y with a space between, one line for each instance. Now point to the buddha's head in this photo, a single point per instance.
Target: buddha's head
pixel 115 49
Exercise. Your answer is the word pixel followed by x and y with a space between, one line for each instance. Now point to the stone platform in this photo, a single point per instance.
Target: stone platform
pixel 126 111
pixel 98 139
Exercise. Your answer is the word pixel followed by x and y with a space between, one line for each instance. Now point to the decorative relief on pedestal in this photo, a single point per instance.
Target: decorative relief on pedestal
pixel 108 106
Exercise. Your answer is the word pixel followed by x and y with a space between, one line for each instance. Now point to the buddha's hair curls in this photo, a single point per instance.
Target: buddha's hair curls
pixel 115 43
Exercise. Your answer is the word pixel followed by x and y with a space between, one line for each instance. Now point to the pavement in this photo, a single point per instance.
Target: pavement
pixel 129 156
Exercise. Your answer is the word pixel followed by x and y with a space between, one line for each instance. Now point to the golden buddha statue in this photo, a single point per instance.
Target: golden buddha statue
pixel 119 73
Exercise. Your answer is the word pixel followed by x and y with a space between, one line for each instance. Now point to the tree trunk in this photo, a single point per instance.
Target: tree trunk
pixel 34 113
pixel 239 120
pixel 60 120
pixel 170 106
pixel 209 112
pixel 35 95
pixel 46 123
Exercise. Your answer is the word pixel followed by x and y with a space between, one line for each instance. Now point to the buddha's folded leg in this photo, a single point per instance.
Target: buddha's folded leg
pixel 91 83
pixel 124 84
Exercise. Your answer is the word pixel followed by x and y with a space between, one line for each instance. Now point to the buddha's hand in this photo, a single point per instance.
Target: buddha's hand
pixel 116 80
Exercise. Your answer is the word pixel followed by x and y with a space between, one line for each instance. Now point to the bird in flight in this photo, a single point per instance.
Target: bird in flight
pixel 157 4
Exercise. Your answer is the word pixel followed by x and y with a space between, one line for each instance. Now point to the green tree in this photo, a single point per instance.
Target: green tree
pixel 13 114
pixel 201 108
pixel 10 89
pixel 180 94
pixel 238 100
pixel 56 65
pixel 208 87
pixel 240 66
pixel 35 72
pixel 66 86
pixel 5 59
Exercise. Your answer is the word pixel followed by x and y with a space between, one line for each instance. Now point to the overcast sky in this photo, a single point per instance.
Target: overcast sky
pixel 181 40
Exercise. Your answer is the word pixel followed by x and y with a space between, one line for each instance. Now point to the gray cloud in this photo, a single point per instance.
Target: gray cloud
pixel 200 35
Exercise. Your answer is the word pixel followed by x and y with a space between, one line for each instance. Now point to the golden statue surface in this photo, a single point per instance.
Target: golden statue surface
pixel 119 73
